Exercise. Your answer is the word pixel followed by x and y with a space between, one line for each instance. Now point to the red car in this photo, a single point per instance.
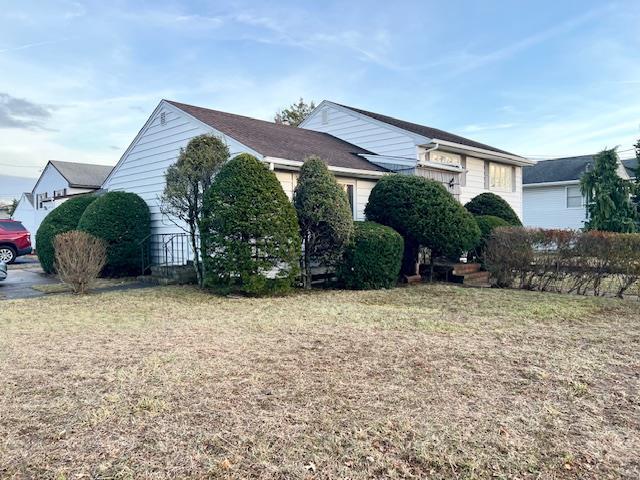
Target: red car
pixel 15 241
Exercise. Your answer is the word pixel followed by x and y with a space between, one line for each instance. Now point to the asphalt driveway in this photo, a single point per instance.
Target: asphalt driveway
pixel 22 275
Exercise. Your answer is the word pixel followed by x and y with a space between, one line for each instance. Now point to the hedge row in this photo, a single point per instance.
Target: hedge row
pixel 564 260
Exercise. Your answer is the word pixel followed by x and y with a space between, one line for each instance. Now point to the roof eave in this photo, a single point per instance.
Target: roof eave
pixel 559 183
pixel 483 153
pixel 296 164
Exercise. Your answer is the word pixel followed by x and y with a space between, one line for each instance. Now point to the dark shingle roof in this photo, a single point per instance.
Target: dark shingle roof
pixel 82 175
pixel 557 170
pixel 426 131
pixel 631 166
pixel 29 197
pixel 282 141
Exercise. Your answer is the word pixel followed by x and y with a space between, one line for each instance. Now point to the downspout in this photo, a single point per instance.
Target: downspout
pixel 428 150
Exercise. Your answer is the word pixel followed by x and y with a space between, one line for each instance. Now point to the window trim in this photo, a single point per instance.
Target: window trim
pixel 583 203
pixel 350 183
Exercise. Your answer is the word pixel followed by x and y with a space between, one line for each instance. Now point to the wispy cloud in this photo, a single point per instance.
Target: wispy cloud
pixel 30 45
pixel 485 127
pixel 464 62
pixel 21 113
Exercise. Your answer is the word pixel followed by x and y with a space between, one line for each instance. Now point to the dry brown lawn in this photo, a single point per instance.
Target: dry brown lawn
pixel 422 382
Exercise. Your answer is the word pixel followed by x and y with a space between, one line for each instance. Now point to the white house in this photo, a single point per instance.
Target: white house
pixel 551 191
pixel 58 182
pixel 466 167
pixel 359 148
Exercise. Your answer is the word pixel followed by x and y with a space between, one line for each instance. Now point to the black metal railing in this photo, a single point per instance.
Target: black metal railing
pixel 163 252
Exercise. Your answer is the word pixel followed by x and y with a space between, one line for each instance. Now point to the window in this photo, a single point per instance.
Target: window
pixel 574 197
pixel 444 157
pixel 59 193
pixel 350 189
pixel 500 177
pixel 12 226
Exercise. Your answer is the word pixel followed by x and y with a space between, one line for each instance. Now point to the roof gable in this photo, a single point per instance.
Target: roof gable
pixel 429 132
pixel 282 141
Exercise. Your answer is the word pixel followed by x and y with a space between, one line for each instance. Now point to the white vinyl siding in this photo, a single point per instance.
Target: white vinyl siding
pixel 143 166
pixel 546 207
pixel 364 133
pixel 473 183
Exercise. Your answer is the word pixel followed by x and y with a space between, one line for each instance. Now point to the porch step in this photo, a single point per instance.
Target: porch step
pixel 477 279
pixel 464 269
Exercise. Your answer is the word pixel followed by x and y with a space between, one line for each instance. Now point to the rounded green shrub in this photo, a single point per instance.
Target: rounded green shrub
pixel 249 231
pixel 425 214
pixel 373 259
pixel 123 221
pixel 491 204
pixel 487 223
pixel 62 219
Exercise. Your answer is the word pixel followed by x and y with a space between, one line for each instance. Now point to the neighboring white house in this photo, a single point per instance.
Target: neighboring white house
pixel 466 167
pixel 551 193
pixel 58 182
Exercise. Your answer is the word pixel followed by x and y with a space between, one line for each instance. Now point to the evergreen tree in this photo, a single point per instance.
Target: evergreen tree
pixel 249 229
pixel 295 113
pixel 324 216
pixel 609 206
pixel 186 183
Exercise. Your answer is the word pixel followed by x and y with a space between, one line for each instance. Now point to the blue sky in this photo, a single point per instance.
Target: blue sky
pixel 545 78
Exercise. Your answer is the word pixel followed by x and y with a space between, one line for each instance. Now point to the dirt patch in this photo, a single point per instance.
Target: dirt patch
pixel 420 382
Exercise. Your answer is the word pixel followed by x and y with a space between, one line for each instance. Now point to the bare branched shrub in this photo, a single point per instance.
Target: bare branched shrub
pixel 596 263
pixel 79 258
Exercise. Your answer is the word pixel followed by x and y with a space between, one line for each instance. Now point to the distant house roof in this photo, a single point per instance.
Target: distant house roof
pixel 82 175
pixel 565 169
pixel 631 166
pixel 427 131
pixel 282 141
pixel 557 170
pixel 29 197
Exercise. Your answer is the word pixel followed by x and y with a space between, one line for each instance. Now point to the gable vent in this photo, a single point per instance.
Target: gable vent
pixel 163 118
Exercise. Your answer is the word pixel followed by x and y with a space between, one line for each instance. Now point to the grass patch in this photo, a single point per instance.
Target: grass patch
pixel 99 284
pixel 429 381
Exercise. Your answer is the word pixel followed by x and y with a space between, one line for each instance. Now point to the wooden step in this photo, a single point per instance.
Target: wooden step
pixel 476 277
pixel 466 268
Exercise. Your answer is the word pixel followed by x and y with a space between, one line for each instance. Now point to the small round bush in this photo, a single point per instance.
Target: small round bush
pixel 373 259
pixel 123 221
pixel 250 236
pixel 62 219
pixel 491 204
pixel 487 223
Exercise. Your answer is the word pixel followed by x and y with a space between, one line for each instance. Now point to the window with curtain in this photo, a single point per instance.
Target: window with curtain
pixel 500 177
